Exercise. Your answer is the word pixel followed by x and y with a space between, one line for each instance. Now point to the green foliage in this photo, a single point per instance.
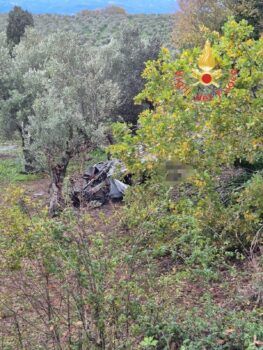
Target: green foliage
pixel 80 281
pixel 81 163
pixel 100 28
pixel 81 264
pixel 209 136
pixel 19 92
pixel 252 11
pixel 66 269
pixel 214 329
pixel 195 17
pixel 175 116
pixel 59 96
pixel 18 20
pixel 149 343
pixel 11 170
pixel 127 66
pixel 78 99
pixel 21 235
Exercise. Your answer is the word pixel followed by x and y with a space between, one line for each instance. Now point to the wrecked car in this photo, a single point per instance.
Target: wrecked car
pixel 98 184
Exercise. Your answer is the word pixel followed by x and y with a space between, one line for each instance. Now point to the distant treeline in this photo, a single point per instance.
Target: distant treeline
pixel 98 27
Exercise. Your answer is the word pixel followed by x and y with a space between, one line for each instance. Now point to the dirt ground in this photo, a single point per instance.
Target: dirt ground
pixel 233 289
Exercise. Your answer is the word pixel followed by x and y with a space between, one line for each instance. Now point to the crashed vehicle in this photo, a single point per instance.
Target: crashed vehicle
pixel 98 185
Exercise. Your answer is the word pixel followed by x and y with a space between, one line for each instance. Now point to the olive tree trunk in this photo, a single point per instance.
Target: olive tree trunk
pixel 57 174
pixel 29 159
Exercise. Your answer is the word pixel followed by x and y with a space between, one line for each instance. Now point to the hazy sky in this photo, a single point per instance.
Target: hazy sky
pixel 73 6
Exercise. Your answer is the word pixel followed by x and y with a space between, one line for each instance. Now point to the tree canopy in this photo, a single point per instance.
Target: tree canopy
pixel 196 16
pixel 129 56
pixel 18 20
pixel 208 136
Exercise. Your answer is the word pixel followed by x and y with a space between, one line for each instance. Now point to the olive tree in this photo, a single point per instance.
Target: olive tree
pixel 19 90
pixel 71 113
pixel 6 68
pixel 130 53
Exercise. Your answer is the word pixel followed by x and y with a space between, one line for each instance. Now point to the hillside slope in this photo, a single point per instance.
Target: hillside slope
pixel 100 28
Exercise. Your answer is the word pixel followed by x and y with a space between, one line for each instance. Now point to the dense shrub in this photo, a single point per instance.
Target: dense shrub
pixel 209 137
pixel 215 329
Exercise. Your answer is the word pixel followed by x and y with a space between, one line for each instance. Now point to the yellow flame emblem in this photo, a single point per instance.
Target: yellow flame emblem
pixel 207 63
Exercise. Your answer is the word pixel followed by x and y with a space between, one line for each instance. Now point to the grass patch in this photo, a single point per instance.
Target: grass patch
pixel 11 167
pixel 11 171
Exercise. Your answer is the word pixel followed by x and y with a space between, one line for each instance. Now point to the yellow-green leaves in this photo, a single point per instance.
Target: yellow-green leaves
pixel 202 133
pixel 209 136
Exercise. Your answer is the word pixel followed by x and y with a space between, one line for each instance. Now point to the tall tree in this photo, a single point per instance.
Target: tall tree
pixel 18 20
pixel 6 69
pixel 193 16
pixel 19 91
pixel 251 10
pixel 77 102
pixel 196 15
pixel 130 53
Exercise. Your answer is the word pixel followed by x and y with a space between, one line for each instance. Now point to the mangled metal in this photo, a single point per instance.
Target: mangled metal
pixel 98 184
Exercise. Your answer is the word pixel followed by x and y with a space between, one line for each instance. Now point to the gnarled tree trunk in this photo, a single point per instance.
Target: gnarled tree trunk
pixel 29 159
pixel 58 173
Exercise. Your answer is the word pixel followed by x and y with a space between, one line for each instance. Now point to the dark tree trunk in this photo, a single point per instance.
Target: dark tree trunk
pixel 29 159
pixel 58 173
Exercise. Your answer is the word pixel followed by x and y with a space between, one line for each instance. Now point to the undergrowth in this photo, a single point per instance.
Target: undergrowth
pixel 11 170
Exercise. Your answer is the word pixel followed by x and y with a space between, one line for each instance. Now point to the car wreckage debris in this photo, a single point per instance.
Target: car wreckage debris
pixel 98 185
